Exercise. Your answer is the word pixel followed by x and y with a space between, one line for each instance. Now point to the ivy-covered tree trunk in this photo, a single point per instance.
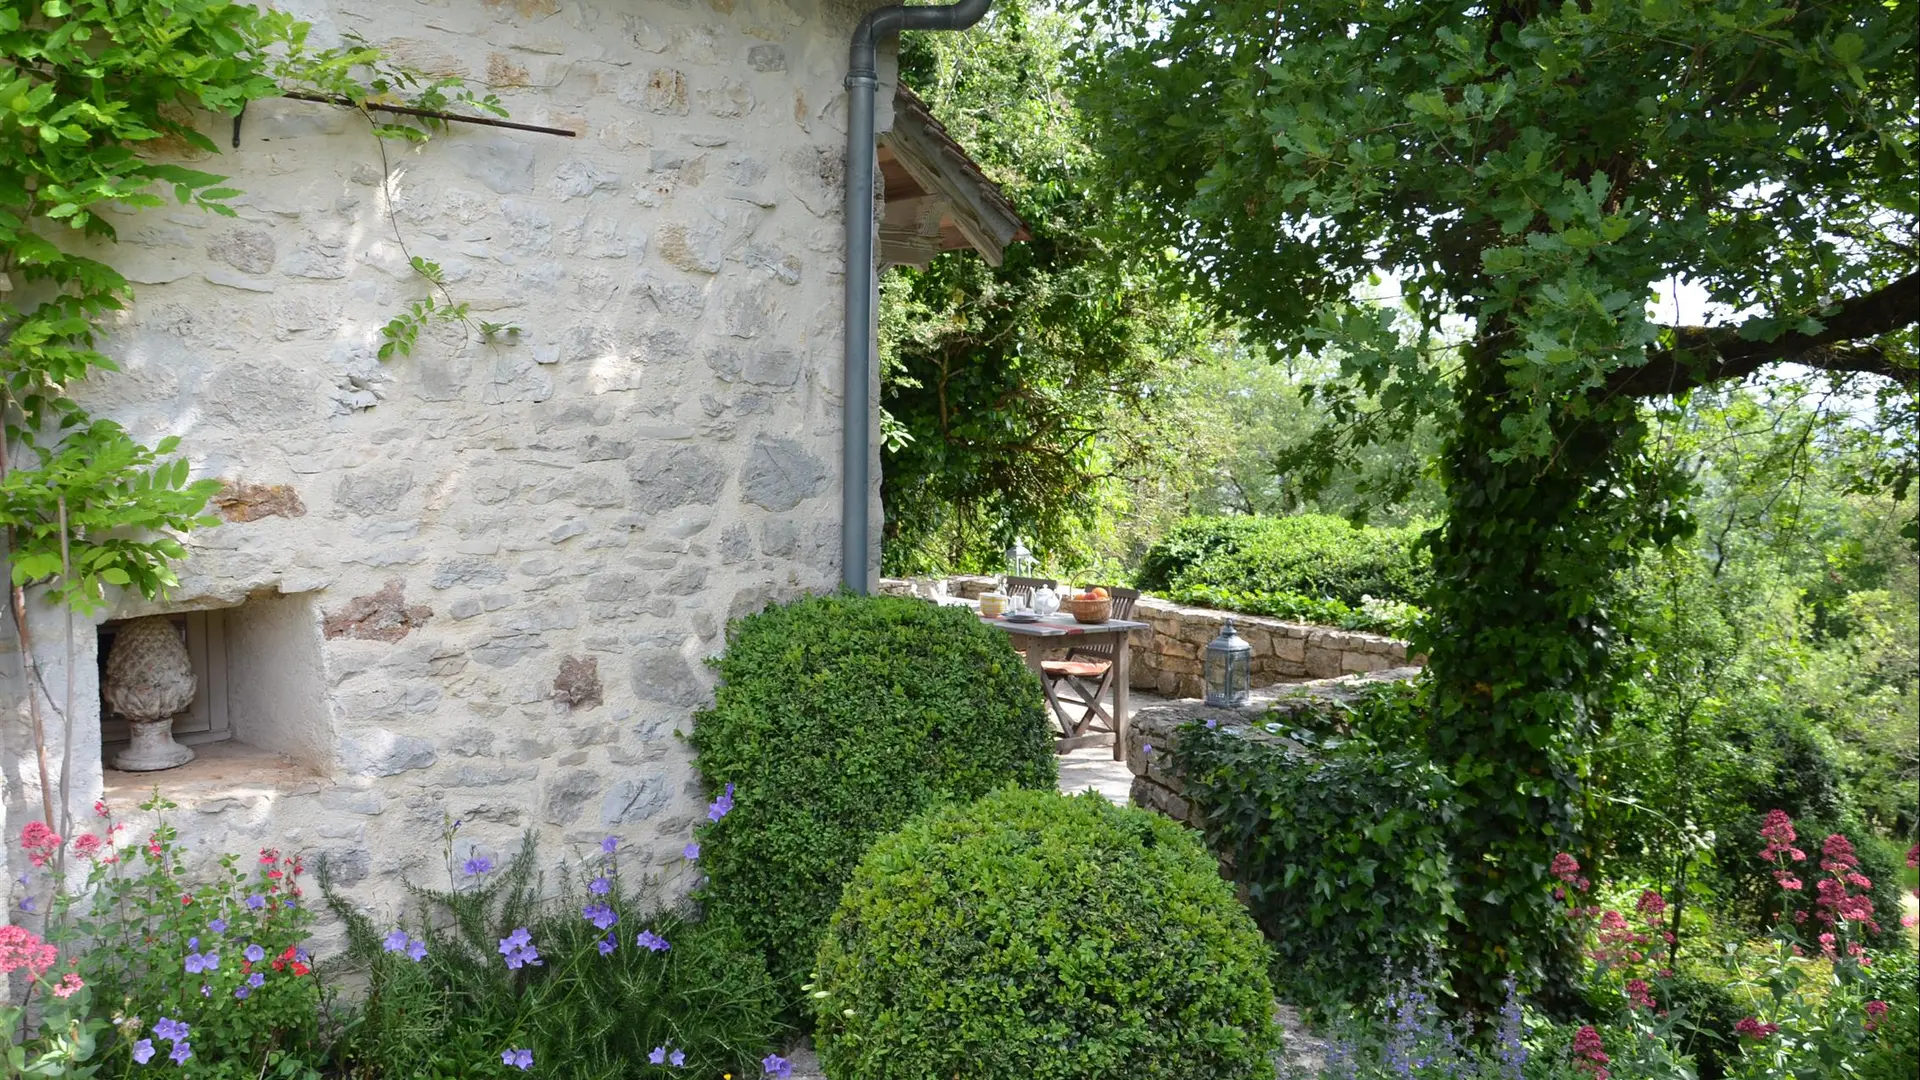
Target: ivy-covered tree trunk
pixel 1518 652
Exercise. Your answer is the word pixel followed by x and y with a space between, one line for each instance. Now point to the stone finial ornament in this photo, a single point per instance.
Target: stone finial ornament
pixel 149 679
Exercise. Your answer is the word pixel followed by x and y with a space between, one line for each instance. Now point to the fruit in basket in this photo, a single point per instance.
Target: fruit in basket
pixel 1097 593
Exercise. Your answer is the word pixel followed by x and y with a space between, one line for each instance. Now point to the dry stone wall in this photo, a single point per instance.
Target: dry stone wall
pixel 1169 660
pixel 1153 736
pixel 512 557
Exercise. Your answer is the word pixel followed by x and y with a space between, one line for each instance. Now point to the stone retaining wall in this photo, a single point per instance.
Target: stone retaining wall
pixel 1168 661
pixel 1157 784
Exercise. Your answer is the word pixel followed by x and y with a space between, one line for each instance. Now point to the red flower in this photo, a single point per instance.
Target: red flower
pixel 100 808
pixel 1565 867
pixel 1837 854
pixel 22 948
pixel 40 841
pixel 1875 1010
pixel 1593 1056
pixel 87 845
pixel 1640 994
pixel 1755 1030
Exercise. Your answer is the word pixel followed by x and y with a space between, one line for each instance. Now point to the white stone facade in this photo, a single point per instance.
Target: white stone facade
pixel 480 581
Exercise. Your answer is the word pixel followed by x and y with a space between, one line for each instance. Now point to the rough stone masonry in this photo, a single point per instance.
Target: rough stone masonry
pixel 479 582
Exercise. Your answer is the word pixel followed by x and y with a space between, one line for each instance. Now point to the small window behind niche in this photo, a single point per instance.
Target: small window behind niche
pixel 207 719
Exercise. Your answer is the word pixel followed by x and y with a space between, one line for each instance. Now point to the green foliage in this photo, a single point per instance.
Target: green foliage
pixel 1534 172
pixel 584 1013
pixel 1343 849
pixel 837 719
pixel 1016 395
pixel 146 924
pixel 1309 554
pixel 1309 567
pixel 1033 935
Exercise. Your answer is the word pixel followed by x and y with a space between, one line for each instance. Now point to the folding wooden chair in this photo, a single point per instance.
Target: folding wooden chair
pixel 1076 683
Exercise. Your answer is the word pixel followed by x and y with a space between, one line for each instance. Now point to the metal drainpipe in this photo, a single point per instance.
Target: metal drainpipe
pixel 857 420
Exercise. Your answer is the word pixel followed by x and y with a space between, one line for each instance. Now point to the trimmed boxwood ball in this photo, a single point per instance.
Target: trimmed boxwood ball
pixel 838 718
pixel 1031 935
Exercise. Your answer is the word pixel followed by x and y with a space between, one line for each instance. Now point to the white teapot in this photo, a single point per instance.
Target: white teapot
pixel 1044 601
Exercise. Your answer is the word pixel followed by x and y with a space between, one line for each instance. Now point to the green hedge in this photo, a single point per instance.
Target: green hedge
pixel 837 719
pixel 1343 852
pixel 1034 935
pixel 1310 567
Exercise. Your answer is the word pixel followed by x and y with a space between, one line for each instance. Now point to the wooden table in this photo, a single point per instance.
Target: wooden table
pixel 1061 629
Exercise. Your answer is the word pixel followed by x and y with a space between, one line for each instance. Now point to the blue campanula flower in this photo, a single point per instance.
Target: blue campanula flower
pixel 647 939
pixel 721 806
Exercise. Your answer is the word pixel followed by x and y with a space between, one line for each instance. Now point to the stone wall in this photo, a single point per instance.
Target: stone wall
pixel 513 557
pixel 1157 782
pixel 1168 661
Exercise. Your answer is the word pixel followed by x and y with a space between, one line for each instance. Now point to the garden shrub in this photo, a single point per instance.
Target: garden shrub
pixel 605 977
pixel 837 719
pixel 1343 850
pixel 1034 935
pixel 1311 567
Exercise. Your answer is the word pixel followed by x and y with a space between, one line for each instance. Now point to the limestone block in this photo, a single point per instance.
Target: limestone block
pixel 674 477
pixel 468 572
pixel 1354 662
pixel 780 473
pixel 385 753
pixel 1323 663
pixel 634 800
pixel 1292 650
pixel 373 489
pixel 569 793
pixel 665 675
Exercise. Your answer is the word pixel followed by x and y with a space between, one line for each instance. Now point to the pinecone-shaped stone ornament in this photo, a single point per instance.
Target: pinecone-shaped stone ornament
pixel 149 679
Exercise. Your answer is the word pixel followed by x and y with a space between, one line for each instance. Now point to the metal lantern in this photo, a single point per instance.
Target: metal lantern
pixel 1229 669
pixel 1019 560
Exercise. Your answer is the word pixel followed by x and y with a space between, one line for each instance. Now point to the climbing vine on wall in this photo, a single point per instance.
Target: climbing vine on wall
pixel 98 102
pixel 99 105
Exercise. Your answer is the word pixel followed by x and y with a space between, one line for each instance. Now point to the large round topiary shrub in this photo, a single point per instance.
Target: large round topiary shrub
pixel 1033 935
pixel 837 719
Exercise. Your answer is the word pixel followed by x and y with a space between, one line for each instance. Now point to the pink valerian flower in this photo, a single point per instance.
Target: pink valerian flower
pixel 1619 943
pixel 100 808
pixel 1565 867
pixel 1826 947
pixel 69 985
pixel 87 845
pixel 1777 830
pixel 1640 994
pixel 40 841
pixel 1875 1010
pixel 22 948
pixel 1755 1030
pixel 1836 855
pixel 1591 1054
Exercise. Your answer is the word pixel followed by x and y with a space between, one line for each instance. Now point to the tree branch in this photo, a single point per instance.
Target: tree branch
pixel 1708 354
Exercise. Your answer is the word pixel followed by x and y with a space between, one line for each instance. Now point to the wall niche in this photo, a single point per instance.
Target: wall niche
pixel 260 684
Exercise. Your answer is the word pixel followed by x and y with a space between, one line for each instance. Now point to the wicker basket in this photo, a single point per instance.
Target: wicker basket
pixel 1089 611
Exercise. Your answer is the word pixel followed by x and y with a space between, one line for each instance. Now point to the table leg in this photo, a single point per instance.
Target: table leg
pixel 1122 680
pixel 1035 654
